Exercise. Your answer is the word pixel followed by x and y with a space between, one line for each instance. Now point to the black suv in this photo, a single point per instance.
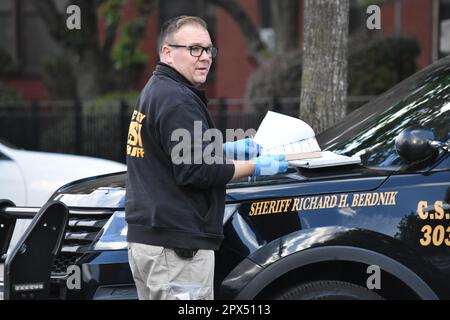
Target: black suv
pixel 379 229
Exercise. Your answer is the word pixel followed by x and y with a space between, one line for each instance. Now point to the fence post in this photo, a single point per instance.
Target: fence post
pixel 223 112
pixel 35 117
pixel 123 121
pixel 78 112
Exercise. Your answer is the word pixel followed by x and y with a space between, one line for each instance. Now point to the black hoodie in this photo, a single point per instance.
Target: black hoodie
pixel 167 204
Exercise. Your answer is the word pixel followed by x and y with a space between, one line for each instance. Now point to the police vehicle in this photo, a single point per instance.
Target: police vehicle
pixel 375 230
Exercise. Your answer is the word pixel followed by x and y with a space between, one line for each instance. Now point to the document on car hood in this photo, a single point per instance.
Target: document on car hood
pixel 282 134
pixel 328 159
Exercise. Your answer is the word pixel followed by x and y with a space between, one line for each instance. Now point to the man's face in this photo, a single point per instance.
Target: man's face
pixel 195 69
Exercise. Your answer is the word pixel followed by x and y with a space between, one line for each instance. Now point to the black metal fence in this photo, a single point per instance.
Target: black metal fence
pixel 101 130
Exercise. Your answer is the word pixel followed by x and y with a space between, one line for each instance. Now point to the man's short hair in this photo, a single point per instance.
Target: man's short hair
pixel 174 24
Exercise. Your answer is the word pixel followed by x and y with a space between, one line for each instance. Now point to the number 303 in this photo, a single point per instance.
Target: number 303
pixel 435 236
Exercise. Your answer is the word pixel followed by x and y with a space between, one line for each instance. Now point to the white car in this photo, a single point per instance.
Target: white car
pixel 29 178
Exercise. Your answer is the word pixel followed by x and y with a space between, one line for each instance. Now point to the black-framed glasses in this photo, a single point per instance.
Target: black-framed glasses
pixel 197 51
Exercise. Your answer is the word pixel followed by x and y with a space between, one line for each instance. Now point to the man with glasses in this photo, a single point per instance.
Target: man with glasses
pixel 175 210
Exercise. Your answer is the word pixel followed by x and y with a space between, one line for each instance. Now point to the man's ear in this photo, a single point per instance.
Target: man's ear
pixel 166 55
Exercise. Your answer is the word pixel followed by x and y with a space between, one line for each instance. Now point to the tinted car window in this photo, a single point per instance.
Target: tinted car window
pixel 370 132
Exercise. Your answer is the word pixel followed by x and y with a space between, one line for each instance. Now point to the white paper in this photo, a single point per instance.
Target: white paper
pixel 302 146
pixel 328 159
pixel 277 130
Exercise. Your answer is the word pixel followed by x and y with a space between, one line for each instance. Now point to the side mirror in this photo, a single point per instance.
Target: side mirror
pixel 413 144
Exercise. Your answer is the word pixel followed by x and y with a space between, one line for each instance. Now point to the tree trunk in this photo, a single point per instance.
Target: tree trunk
pixel 285 23
pixel 90 80
pixel 323 97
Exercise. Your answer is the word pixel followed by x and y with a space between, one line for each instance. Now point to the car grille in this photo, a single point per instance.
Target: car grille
pixel 82 229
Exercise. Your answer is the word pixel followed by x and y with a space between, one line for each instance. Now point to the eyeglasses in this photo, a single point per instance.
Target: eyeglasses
pixel 197 51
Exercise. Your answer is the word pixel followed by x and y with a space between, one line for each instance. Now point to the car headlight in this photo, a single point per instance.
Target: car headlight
pixel 230 209
pixel 114 233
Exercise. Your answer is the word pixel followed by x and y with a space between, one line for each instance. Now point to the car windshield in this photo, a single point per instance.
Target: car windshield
pixel 370 131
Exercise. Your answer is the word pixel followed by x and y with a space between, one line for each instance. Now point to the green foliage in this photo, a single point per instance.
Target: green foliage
pixel 110 10
pixel 116 63
pixel 379 64
pixel 126 53
pixel 59 78
pixel 374 66
pixel 127 59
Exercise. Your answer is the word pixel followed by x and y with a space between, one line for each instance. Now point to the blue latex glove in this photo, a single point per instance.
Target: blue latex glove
pixel 244 149
pixel 269 165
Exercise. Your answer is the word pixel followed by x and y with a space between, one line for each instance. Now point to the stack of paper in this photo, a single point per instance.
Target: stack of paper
pixel 328 159
pixel 281 134
pixel 297 150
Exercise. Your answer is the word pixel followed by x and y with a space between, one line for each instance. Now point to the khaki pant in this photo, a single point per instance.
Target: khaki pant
pixel 160 274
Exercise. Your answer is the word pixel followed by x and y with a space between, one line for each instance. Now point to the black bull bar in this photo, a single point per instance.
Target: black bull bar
pixel 27 268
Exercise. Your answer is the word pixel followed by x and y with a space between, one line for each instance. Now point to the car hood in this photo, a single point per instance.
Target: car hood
pixel 310 182
pixel 36 163
pixel 35 167
pixel 109 191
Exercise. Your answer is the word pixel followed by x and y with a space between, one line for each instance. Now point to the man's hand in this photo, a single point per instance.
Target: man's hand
pixel 244 149
pixel 269 165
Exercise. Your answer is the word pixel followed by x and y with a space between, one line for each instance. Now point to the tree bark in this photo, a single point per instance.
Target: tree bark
pixel 323 97
pixel 285 23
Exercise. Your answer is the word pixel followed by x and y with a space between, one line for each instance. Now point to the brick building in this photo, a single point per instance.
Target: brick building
pixel 24 36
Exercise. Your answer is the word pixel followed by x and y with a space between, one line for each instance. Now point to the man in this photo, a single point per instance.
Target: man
pixel 175 210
